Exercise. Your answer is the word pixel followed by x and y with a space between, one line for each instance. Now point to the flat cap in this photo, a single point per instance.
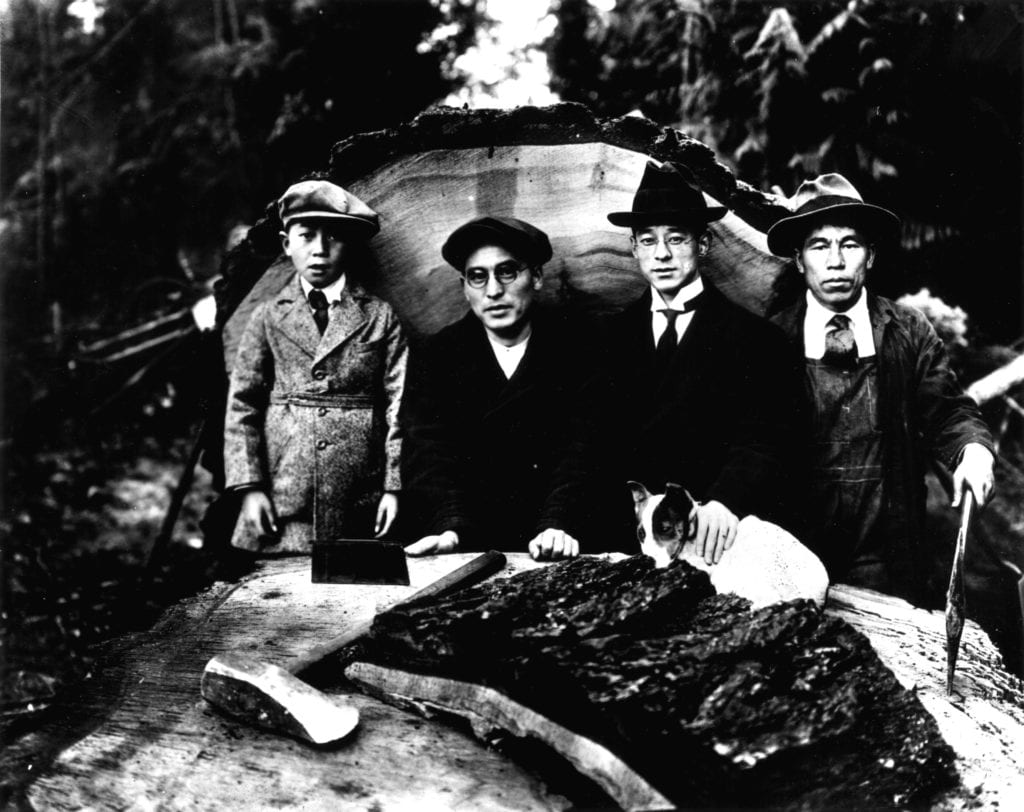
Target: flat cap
pixel 525 242
pixel 323 199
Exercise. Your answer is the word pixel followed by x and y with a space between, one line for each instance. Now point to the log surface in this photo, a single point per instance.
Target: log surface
pixel 139 735
pixel 557 168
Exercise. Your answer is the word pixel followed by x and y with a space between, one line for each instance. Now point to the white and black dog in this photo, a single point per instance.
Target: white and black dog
pixel 765 564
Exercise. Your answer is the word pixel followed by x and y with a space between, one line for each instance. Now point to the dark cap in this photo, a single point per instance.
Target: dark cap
pixel 525 242
pixel 325 200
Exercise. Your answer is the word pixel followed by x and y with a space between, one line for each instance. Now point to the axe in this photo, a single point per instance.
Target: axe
pixel 955 594
pixel 275 698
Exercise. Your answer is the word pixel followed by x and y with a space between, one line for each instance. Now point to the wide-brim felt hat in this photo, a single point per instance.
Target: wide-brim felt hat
pixel 525 242
pixel 830 197
pixel 321 199
pixel 667 195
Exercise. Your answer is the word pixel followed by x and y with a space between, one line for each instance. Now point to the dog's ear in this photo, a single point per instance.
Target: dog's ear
pixel 678 497
pixel 640 494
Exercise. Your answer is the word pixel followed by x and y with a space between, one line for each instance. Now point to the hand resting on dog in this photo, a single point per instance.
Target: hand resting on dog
pixel 764 563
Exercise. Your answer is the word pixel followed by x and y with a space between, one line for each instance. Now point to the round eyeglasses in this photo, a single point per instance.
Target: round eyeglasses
pixel 505 272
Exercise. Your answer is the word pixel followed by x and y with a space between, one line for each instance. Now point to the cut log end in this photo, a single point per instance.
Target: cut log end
pixel 269 697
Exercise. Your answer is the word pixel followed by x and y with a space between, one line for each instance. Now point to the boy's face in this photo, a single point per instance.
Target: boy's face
pixel 317 249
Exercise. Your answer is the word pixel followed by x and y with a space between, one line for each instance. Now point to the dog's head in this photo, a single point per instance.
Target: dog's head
pixel 664 522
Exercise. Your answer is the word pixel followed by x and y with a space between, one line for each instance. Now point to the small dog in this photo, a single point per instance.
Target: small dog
pixel 765 564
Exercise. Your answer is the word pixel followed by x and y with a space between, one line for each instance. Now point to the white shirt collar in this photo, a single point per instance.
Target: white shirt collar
pixel 688 291
pixel 332 291
pixel 508 358
pixel 817 318
pixel 659 321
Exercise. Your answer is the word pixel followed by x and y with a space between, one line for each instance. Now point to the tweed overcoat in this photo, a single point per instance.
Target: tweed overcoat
pixel 725 420
pixel 495 459
pixel 925 416
pixel 314 419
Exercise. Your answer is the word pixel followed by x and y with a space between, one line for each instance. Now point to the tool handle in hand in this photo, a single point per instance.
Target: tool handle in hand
pixel 473 572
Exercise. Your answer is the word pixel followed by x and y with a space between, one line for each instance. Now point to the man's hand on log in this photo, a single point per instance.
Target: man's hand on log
pixel 387 512
pixel 552 545
pixel 715 531
pixel 974 472
pixel 445 542
pixel 258 514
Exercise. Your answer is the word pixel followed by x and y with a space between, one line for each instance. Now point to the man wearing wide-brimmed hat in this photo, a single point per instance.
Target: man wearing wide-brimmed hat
pixel 498 453
pixel 706 394
pixel 883 397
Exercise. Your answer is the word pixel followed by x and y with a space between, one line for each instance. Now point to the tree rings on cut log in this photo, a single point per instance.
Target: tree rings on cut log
pixel 557 168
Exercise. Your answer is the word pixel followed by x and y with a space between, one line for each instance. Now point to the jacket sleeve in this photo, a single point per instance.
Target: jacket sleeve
pixel 252 378
pixel 432 469
pixel 762 465
pixel 949 418
pixel 397 356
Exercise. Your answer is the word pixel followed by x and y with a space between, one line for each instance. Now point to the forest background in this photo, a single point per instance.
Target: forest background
pixel 141 138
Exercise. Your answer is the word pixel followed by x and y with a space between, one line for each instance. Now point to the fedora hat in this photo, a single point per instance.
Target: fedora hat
pixel 667 194
pixel 322 199
pixel 828 197
pixel 525 242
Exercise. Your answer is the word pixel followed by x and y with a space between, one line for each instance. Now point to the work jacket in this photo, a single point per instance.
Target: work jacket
pixel 925 416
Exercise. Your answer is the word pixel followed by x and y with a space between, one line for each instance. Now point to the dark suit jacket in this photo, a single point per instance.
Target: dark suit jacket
pixel 500 459
pixel 725 421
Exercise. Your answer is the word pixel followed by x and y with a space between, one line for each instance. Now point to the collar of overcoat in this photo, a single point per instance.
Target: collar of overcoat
pixel 295 320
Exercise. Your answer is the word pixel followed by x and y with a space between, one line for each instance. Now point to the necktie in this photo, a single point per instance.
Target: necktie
pixel 318 302
pixel 840 347
pixel 667 343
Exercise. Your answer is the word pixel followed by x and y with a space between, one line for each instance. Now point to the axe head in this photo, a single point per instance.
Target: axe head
pixel 267 696
pixel 359 561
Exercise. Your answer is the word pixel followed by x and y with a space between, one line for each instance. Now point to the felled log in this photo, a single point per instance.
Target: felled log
pixel 557 167
pixel 998 382
pixel 137 733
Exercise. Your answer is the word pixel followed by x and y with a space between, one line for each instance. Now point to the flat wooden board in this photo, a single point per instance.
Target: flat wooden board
pixel 140 736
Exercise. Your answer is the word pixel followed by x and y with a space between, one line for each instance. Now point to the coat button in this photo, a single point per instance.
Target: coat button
pixel 322 411
pixel 319 374
pixel 321 444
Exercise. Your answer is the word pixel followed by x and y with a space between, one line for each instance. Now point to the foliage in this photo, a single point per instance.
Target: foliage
pixel 177 120
pixel 918 104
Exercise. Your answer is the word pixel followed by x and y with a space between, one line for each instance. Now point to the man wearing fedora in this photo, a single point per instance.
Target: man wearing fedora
pixel 496 408
pixel 706 395
pixel 883 398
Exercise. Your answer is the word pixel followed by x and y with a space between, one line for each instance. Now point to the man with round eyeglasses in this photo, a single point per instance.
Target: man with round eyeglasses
pixel 498 408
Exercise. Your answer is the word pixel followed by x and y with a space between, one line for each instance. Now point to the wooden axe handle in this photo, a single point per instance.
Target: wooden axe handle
pixel 470 573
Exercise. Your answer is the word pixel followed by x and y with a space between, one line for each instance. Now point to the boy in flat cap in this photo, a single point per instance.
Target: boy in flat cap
pixel 883 397
pixel 496 408
pixel 706 394
pixel 311 436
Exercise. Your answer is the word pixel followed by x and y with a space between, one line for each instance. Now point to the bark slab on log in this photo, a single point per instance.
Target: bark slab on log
pixel 138 734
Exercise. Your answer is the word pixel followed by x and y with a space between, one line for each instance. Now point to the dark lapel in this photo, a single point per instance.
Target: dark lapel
pixel 294 320
pixel 480 371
